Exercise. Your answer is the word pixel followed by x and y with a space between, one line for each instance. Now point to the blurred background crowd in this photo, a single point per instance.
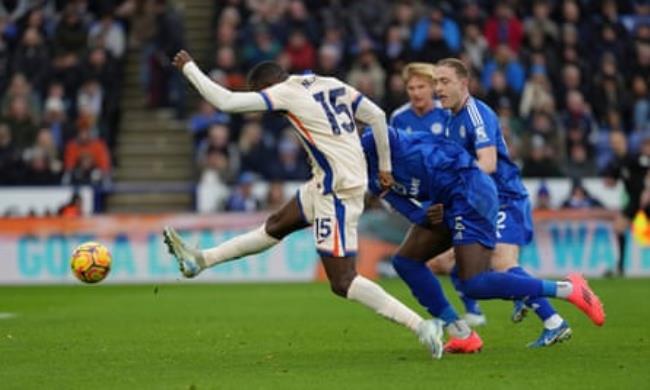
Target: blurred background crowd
pixel 568 78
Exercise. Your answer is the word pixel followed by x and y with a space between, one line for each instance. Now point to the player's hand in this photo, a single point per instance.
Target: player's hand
pixel 386 180
pixel 435 213
pixel 180 59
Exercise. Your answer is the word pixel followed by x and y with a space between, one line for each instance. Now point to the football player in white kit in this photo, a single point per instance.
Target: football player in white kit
pixel 323 112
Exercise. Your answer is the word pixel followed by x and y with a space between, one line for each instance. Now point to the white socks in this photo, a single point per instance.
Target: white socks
pixel 373 296
pixel 553 321
pixel 459 329
pixel 564 289
pixel 249 243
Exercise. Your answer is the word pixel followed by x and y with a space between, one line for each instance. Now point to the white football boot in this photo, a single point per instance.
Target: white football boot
pixel 430 333
pixel 190 260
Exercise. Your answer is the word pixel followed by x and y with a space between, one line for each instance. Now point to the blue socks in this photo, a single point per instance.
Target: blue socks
pixel 425 288
pixel 542 306
pixel 504 285
pixel 471 306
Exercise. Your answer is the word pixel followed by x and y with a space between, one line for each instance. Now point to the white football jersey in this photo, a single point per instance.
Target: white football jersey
pixel 322 111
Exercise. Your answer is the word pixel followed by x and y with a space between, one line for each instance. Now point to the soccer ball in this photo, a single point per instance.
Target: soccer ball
pixel 91 262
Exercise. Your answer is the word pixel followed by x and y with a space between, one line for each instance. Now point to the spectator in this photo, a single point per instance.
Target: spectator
pixel 435 47
pixel 538 164
pixel 230 74
pixel 263 47
pixel 214 174
pixel 10 160
pixel 289 166
pixel 500 94
pixel 301 53
pixel 218 139
pixel 275 198
pixel 540 21
pixel 256 149
pixel 537 95
pixel 543 198
pixel 577 119
pixel 90 98
pixel 55 119
pixel 86 158
pixel 505 61
pixel 39 171
pixel 71 34
pixel 165 84
pixel 109 34
pixel 21 123
pixel 640 105
pixel 329 62
pixel 609 89
pixel 395 46
pixel 475 46
pixel 42 161
pixel 447 28
pixel 299 19
pixel 579 164
pixel 205 117
pixel 504 28
pixel 20 88
pixel 366 69
pixel 32 58
pixel 242 199
pixel 579 198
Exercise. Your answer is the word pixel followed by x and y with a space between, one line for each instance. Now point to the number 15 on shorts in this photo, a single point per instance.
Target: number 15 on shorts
pixel 322 229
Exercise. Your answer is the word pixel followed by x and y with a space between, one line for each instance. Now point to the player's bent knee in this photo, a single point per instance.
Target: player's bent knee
pixel 340 286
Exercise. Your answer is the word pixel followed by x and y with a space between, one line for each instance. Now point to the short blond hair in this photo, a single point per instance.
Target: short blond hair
pixel 419 69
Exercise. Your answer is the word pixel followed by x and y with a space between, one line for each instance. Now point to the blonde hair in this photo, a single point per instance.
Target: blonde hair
pixel 419 69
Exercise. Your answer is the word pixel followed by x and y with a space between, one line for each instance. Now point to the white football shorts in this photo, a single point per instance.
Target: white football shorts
pixel 334 219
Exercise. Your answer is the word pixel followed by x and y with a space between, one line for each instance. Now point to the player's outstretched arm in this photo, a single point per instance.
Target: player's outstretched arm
pixel 218 96
pixel 368 112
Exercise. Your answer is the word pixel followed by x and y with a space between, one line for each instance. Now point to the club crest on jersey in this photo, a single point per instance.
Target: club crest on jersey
pixel 462 131
pixel 436 128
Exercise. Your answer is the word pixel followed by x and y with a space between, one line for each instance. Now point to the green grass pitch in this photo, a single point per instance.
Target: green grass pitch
pixel 279 336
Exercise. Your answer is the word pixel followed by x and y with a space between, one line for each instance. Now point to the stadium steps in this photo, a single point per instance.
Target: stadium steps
pixel 154 151
pixel 149 202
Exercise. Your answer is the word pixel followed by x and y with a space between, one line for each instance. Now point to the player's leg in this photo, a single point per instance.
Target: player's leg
pixel 419 245
pixel 335 233
pixel 445 264
pixel 556 329
pixel 474 239
pixel 278 225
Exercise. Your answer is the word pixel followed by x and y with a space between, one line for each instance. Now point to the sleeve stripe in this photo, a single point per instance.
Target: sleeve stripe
pixel 355 103
pixel 474 113
pixel 267 100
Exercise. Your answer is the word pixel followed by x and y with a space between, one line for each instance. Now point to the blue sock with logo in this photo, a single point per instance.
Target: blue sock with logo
pixel 471 306
pixel 425 288
pixel 542 306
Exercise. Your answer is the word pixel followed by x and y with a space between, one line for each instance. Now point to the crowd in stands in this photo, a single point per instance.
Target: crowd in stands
pixel 60 72
pixel 568 78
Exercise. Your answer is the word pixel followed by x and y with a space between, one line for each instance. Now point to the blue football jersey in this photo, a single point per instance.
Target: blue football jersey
pixel 429 169
pixel 476 126
pixel 432 122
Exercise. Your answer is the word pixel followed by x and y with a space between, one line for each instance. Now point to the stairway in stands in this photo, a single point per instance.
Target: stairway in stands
pixel 156 171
